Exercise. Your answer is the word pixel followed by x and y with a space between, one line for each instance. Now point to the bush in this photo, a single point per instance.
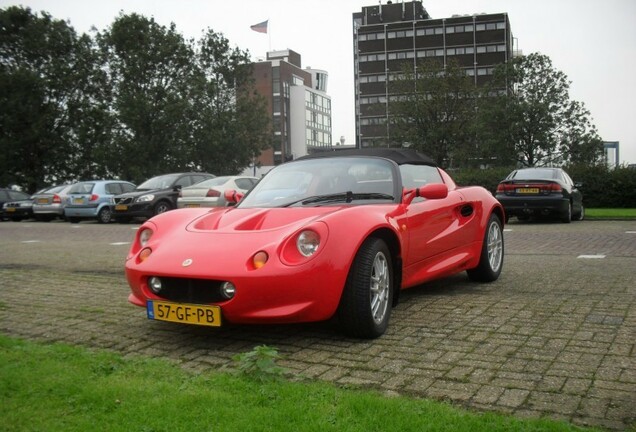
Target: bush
pixel 601 187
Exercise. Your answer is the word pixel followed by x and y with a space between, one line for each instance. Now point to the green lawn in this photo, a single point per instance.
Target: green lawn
pixel 610 213
pixel 46 387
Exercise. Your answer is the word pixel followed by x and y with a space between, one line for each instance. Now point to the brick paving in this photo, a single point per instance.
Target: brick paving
pixel 555 336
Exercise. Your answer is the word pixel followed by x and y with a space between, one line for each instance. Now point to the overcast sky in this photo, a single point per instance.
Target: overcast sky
pixel 592 41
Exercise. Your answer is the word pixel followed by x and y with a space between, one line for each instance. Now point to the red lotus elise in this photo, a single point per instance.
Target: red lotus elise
pixel 335 233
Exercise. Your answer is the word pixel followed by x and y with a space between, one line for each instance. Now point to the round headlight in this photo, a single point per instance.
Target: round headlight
pixel 144 236
pixel 154 283
pixel 228 290
pixel 308 242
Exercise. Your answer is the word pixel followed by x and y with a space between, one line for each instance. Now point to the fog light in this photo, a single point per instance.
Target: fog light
pixel 228 290
pixel 154 283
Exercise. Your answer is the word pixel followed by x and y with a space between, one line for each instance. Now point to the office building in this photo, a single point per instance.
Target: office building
pixel 385 37
pixel 299 106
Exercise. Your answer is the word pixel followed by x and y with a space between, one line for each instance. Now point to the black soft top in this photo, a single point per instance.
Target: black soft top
pixel 398 155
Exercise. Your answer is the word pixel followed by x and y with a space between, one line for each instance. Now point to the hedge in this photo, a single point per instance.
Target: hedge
pixel 601 187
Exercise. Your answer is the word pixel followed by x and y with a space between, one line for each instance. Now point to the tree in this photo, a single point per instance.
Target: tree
pixel 39 85
pixel 434 112
pixel 233 126
pixel 150 71
pixel 534 122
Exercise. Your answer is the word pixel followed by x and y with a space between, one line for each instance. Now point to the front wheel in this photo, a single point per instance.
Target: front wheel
pixel 581 215
pixel 365 306
pixel 162 207
pixel 492 253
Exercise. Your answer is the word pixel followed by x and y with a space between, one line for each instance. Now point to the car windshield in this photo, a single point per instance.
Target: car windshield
pixel 534 174
pixel 159 182
pixel 325 181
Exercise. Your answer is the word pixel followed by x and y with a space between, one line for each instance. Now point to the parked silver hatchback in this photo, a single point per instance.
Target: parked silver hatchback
pixel 91 199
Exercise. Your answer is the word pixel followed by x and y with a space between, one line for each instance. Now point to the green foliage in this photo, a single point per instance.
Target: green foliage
pixel 132 101
pixel 534 122
pixel 487 178
pixel 260 363
pixel 604 187
pixel 62 388
pixel 435 112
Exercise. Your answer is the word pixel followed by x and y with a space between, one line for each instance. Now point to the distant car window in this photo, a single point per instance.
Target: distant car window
pixel 17 195
pixel 535 174
pixel 198 178
pixel 113 188
pixel 127 187
pixel 81 188
pixel 159 182
pixel 419 175
pixel 4 195
pixel 244 183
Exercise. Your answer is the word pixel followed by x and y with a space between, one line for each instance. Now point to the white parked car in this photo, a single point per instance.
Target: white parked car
pixel 209 193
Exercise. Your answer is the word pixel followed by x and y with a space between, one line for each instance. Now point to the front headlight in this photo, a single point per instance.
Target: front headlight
pixel 144 236
pixel 145 198
pixel 308 243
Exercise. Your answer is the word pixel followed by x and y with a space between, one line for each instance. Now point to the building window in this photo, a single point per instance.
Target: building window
pixel 480 27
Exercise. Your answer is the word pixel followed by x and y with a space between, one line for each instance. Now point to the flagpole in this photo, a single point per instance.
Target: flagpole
pixel 269 34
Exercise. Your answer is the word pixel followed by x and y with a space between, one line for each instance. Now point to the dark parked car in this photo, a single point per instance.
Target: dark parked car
pixel 15 205
pixel 91 199
pixel 541 192
pixel 154 196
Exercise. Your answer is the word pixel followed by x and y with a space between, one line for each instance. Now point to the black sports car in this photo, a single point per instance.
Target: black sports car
pixel 541 192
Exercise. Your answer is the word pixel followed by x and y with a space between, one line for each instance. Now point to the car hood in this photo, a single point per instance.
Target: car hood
pixel 261 219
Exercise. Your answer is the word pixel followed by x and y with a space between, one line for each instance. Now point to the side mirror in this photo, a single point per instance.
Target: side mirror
pixel 232 197
pixel 433 191
pixel 429 191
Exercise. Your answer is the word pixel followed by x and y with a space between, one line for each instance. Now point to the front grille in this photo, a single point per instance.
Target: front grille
pixel 125 200
pixel 196 291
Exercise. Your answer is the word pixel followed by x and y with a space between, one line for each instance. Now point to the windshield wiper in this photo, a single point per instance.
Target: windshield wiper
pixel 342 196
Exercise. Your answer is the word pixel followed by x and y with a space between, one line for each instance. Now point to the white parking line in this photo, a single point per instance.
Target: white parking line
pixel 508 229
pixel 591 256
pixel 31 241
pixel 630 232
pixel 119 243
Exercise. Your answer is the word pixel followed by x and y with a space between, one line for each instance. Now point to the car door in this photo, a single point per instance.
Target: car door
pixel 433 226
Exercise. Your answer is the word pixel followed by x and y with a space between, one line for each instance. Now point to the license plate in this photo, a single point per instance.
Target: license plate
pixel 10 209
pixel 78 201
pixel 43 201
pixel 193 205
pixel 528 190
pixel 184 313
pixel 121 207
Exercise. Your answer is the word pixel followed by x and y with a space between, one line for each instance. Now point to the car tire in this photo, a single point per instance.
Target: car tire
pixel 492 253
pixel 104 215
pixel 365 306
pixel 567 216
pixel 162 207
pixel 581 215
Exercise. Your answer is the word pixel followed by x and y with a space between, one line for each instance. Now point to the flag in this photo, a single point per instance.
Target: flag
pixel 260 27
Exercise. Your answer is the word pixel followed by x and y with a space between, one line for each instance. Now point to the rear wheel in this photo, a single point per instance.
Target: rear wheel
pixel 581 215
pixel 104 215
pixel 365 307
pixel 492 253
pixel 567 216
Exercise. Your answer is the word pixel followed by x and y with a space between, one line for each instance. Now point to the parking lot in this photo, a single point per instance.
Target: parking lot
pixel 554 336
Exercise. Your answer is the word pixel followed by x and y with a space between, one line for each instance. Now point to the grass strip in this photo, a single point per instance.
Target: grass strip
pixel 57 387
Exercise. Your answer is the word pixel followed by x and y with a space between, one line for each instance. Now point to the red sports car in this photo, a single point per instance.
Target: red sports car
pixel 336 233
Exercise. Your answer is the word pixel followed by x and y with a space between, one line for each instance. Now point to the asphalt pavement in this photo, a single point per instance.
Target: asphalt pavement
pixel 555 336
